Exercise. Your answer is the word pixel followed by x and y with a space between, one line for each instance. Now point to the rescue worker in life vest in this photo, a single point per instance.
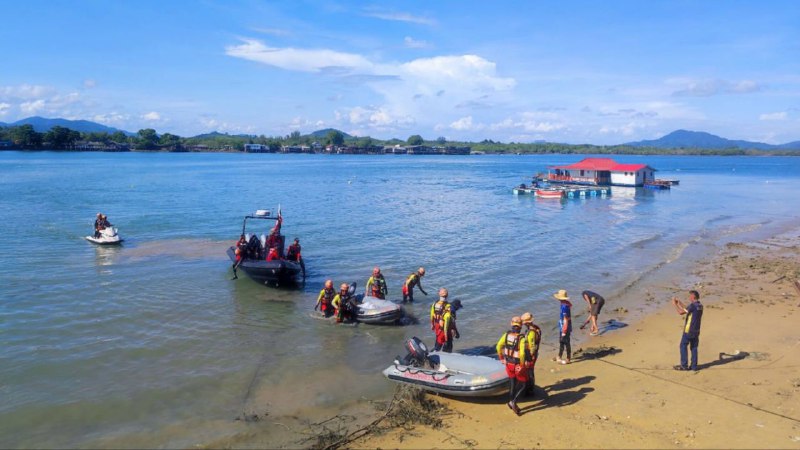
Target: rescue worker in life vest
pixel 293 251
pixel 344 307
pixel 293 254
pixel 415 279
pixel 447 328
pixel 437 310
pixel 240 249
pixel 376 285
pixel 533 337
pixel 325 299
pixel 511 351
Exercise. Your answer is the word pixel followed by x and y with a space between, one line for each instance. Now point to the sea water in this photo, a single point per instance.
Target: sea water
pixel 153 344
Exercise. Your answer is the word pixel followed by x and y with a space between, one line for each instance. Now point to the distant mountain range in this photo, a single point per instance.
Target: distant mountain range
pixel 675 140
pixel 43 125
pixel 700 139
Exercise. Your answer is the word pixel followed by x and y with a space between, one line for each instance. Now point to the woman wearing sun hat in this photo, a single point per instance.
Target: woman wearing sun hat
pixel 564 326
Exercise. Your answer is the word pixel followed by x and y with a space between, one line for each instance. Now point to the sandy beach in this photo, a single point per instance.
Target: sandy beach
pixel 621 390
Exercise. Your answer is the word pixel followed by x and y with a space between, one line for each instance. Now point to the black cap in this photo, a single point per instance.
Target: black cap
pixel 297 239
pixel 456 304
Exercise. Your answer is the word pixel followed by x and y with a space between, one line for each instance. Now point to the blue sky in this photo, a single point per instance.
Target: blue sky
pixel 601 72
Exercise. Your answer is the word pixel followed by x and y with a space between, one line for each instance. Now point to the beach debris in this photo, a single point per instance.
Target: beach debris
pixel 621 310
pixel 250 418
pixel 408 407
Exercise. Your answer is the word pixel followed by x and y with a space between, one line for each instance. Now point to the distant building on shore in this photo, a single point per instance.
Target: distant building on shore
pixel 257 148
pixel 601 172
pixel 94 146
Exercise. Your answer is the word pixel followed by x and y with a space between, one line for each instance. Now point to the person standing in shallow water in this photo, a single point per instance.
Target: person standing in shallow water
pixel 415 279
pixel 691 329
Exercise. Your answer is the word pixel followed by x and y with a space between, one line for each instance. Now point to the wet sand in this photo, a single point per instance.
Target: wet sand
pixel 621 390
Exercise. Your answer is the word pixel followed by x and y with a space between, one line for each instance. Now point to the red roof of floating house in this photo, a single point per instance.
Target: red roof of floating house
pixel 602 164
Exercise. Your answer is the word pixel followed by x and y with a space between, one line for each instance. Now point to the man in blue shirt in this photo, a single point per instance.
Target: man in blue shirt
pixel 691 328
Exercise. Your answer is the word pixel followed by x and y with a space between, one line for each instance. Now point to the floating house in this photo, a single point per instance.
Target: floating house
pixel 601 172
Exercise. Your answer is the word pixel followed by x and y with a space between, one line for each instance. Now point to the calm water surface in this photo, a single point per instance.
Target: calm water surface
pixel 152 344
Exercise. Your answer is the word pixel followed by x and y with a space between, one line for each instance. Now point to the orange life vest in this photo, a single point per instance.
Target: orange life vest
pixel 511 347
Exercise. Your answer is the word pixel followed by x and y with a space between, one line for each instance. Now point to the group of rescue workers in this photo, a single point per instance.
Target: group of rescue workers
pixel 272 250
pixel 343 304
pixel 519 350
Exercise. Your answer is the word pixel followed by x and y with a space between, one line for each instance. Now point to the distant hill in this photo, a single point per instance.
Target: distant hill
pixel 795 145
pixel 43 125
pixel 217 134
pixel 324 133
pixel 700 139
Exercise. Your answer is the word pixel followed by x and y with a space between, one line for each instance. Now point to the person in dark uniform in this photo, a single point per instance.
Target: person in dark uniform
pixel 691 328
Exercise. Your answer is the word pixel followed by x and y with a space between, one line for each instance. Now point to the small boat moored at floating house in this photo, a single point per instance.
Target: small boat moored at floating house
pixel 550 193
pixel 600 172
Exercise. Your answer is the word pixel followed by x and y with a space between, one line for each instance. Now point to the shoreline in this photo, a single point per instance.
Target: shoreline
pixel 621 391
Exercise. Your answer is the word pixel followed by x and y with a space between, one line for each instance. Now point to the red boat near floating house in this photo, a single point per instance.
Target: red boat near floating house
pixel 601 172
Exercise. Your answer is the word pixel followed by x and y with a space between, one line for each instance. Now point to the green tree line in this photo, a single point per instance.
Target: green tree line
pixel 24 137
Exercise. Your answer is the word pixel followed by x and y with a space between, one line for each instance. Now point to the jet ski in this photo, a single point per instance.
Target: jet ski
pixel 453 374
pixel 108 236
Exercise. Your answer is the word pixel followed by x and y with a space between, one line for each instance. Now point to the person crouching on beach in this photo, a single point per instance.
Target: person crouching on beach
pixel 595 302
pixel 511 351
pixel 691 328
pixel 564 326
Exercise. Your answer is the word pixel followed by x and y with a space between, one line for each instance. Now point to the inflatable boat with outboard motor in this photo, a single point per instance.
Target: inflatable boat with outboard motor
pixel 108 236
pixel 452 374
pixel 254 258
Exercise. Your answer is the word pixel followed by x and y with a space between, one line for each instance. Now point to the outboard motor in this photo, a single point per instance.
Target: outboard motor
pixel 417 354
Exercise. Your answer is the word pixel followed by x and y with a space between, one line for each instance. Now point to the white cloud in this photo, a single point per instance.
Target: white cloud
pixel 111 118
pixel 465 124
pixel 374 117
pixel 400 17
pixel 32 107
pixel 424 87
pixel 25 91
pixel 152 116
pixel 303 60
pixel 272 31
pixel 628 129
pixel 4 107
pixel 531 122
pixel 89 83
pixel 413 43
pixel 463 70
pixel 774 116
pixel 713 86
